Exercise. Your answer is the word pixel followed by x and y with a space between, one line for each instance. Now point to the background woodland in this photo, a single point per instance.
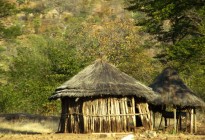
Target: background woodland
pixel 43 43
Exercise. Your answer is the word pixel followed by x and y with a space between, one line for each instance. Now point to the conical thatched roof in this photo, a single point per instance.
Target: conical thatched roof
pixel 173 91
pixel 102 79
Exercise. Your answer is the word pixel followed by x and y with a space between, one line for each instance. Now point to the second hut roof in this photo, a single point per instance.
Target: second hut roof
pixel 173 91
pixel 101 79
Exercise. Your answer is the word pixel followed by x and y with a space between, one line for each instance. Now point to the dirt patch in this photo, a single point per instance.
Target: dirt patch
pixel 95 137
pixel 35 127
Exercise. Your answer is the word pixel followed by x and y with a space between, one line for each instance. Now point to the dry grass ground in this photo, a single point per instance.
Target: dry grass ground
pixel 33 127
pixel 95 137
pixel 27 124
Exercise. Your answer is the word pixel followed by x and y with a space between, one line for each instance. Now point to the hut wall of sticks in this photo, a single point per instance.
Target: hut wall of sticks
pixel 109 114
pixel 101 98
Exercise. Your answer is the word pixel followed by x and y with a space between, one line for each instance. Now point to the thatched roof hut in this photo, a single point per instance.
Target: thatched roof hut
pixel 103 79
pixel 173 90
pixel 101 98
pixel 175 93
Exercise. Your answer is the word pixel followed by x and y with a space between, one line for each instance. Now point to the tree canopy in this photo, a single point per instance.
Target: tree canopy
pixel 180 28
pixel 57 40
pixel 50 41
pixel 171 21
pixel 8 9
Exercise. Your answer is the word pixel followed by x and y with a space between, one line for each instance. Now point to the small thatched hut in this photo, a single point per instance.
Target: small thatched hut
pixel 101 98
pixel 173 92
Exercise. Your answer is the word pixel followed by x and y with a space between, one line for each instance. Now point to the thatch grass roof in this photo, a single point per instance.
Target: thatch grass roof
pixel 103 79
pixel 173 91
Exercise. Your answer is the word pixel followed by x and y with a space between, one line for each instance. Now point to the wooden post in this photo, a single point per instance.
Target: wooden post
pixel 160 122
pixel 124 117
pixel 59 126
pixel 165 123
pixel 84 117
pixel 108 111
pixel 153 118
pixel 195 125
pixel 141 115
pixel 175 120
pixel 133 109
pixel 191 125
pixel 149 117
pixel 187 116
pixel 64 115
pixel 126 112
pixel 100 106
pixel 180 119
pixel 104 118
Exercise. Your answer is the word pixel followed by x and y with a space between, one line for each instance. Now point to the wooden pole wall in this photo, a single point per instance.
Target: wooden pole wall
pixel 114 115
pixel 98 115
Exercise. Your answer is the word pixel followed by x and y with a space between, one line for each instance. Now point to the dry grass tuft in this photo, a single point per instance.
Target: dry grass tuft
pixel 24 124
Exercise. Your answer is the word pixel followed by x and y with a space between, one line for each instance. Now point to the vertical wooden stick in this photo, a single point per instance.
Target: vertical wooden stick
pixel 100 106
pixel 191 125
pixel 154 120
pixel 160 122
pixel 187 115
pixel 103 118
pixel 123 111
pixel 148 118
pixel 93 118
pixel 175 120
pixel 126 112
pixel 180 120
pixel 195 125
pixel 111 117
pixel 108 111
pixel 119 128
pixel 133 109
pixel 165 122
pixel 151 119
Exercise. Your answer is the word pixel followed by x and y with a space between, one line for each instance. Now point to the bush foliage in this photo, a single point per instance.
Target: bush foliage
pixel 41 50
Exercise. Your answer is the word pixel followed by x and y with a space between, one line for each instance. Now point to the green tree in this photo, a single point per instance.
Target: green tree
pixel 180 26
pixel 27 85
pixel 119 41
pixel 12 32
pixel 41 65
pixel 6 9
pixel 171 21
pixel 43 61
pixel 20 2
